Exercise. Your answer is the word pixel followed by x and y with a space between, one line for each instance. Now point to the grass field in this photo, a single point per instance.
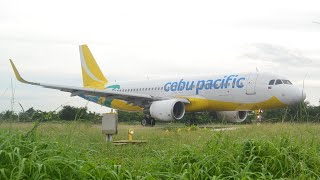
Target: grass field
pixel 79 151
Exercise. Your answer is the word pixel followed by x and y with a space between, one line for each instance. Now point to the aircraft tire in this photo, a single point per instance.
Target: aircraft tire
pixel 153 122
pixel 148 121
pixel 144 122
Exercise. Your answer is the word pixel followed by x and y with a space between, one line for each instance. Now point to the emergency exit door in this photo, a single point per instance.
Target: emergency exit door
pixel 251 83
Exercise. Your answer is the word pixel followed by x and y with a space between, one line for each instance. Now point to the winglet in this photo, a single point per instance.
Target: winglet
pixel 17 74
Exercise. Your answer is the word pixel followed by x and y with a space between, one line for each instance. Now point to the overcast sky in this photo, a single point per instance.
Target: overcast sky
pixel 138 39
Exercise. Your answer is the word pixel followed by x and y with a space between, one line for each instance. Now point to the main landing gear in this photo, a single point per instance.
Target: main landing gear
pixel 148 121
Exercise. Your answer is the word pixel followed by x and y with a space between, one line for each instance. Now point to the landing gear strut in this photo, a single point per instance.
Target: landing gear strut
pixel 148 121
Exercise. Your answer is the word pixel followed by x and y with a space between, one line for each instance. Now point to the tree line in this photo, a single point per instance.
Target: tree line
pixel 67 113
pixel 303 112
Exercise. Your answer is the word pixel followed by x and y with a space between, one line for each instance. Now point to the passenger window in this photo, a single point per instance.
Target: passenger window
pixel 278 81
pixel 271 82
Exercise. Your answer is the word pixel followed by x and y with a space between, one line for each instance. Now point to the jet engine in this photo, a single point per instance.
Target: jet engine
pixel 233 116
pixel 167 110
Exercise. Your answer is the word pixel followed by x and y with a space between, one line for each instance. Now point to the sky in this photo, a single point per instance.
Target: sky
pixel 134 40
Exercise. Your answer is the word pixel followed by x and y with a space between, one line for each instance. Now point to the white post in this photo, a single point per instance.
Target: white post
pixel 109 137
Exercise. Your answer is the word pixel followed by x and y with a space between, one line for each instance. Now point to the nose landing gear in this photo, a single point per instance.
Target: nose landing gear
pixel 259 115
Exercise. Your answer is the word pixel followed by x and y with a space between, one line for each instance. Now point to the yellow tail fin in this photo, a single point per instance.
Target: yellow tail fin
pixel 91 73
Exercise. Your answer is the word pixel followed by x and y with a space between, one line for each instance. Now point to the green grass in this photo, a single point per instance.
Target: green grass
pixel 79 151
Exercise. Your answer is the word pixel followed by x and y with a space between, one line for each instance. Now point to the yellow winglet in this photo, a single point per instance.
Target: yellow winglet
pixel 17 74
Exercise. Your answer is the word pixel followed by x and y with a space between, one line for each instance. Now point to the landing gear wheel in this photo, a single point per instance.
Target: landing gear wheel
pixel 143 122
pixel 148 121
pixel 153 122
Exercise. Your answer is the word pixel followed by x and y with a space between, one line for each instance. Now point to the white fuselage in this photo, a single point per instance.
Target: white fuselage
pixel 230 92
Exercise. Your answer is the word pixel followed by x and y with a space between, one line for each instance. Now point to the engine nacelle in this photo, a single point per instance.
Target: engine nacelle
pixel 167 110
pixel 233 116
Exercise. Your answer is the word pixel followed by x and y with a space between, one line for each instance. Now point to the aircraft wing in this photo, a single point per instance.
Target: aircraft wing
pixel 131 98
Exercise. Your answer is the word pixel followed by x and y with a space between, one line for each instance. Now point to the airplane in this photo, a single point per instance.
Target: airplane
pixel 231 96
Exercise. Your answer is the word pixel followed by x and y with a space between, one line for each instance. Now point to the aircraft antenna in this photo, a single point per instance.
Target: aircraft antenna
pixel 303 84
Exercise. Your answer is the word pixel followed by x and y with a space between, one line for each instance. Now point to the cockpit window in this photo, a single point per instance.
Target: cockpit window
pixel 278 81
pixel 271 82
pixel 286 82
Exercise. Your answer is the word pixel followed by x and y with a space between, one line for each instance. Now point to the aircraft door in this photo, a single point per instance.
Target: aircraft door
pixel 251 83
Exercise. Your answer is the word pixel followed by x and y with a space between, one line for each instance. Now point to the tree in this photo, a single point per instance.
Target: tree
pixel 70 113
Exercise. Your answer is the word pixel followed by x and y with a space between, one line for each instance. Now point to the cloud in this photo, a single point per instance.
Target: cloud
pixel 37 39
pixel 277 55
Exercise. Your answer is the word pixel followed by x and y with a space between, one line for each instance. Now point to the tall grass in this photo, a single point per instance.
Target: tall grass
pixel 79 151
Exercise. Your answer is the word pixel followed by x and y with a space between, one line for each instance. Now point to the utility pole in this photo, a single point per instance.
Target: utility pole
pixel 12 96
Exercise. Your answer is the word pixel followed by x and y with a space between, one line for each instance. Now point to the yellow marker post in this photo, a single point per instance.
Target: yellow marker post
pixel 178 131
pixel 189 130
pixel 130 134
